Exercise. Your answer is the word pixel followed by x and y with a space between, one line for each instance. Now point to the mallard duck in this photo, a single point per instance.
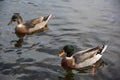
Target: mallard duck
pixel 82 58
pixel 30 26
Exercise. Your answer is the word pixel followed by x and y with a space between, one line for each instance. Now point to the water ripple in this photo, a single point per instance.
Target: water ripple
pixel 83 24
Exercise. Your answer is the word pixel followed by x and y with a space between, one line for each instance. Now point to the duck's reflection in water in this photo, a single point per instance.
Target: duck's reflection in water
pixel 20 40
pixel 69 76
pixel 21 36
pixel 82 71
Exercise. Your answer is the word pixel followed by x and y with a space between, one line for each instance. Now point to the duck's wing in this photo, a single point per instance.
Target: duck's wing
pixel 81 56
pixel 31 23
pixel 37 21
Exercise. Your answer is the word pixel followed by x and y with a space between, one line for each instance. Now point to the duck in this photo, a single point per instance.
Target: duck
pixel 30 26
pixel 83 58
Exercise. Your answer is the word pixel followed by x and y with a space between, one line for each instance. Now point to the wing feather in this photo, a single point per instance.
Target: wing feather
pixel 33 22
pixel 81 56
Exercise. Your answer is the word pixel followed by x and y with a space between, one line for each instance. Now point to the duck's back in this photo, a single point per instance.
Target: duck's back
pixel 81 56
pixel 37 24
pixel 32 23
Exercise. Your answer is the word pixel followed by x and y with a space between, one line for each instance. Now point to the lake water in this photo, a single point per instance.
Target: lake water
pixel 82 23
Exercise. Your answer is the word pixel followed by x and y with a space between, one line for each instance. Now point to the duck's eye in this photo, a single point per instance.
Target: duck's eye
pixel 14 17
pixel 14 20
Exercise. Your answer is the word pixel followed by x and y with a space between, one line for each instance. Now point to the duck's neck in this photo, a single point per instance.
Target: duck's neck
pixel 19 21
pixel 69 54
pixel 69 57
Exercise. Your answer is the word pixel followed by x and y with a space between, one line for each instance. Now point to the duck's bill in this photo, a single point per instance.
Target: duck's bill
pixel 61 53
pixel 10 22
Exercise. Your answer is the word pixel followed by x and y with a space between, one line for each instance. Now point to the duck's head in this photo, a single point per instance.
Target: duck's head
pixel 69 49
pixel 16 18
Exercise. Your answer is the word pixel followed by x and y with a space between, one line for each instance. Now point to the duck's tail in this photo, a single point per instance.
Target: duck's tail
pixel 46 18
pixel 103 48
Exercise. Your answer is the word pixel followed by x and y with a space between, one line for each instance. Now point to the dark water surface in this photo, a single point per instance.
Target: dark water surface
pixel 83 23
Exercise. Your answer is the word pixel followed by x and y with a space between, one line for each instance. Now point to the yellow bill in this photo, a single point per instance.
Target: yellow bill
pixel 61 53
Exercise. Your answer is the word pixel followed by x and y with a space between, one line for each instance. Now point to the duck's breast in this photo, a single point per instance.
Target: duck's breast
pixel 21 29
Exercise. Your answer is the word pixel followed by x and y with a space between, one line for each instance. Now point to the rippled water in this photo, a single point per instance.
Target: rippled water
pixel 82 23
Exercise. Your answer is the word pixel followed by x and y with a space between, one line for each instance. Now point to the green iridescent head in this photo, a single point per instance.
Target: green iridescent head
pixel 69 49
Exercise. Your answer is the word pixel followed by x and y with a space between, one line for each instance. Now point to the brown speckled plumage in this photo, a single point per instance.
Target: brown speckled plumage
pixel 30 26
